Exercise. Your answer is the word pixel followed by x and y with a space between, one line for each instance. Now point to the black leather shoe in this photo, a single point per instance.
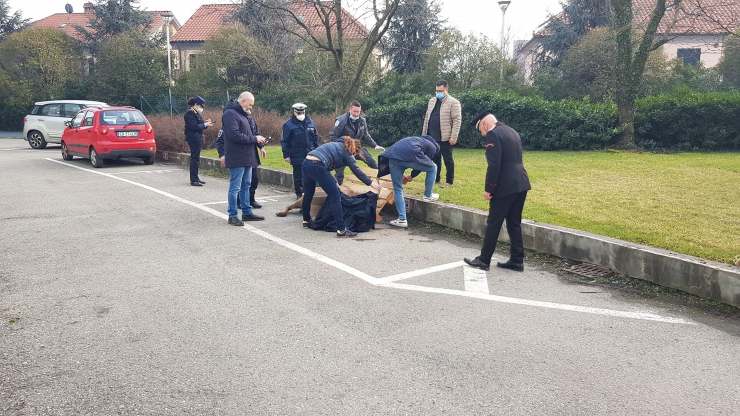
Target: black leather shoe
pixel 236 221
pixel 346 233
pixel 252 217
pixel 255 205
pixel 201 182
pixel 517 267
pixel 306 224
pixel 196 184
pixel 477 263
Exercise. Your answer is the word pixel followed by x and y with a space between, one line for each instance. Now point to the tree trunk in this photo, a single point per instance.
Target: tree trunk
pixel 626 120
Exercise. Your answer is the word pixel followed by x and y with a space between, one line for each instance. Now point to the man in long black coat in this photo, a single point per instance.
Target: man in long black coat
pixel 506 188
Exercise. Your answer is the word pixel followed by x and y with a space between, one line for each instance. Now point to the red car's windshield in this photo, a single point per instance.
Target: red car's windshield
pixel 122 117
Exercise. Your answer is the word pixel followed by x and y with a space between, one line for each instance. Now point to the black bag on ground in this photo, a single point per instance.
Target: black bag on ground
pixel 359 214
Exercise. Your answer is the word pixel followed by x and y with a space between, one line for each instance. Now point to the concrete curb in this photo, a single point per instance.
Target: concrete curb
pixel 707 279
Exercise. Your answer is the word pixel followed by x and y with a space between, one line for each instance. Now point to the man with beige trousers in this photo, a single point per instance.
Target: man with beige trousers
pixel 442 122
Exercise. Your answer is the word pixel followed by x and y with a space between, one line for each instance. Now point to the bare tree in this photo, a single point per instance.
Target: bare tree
pixel 328 33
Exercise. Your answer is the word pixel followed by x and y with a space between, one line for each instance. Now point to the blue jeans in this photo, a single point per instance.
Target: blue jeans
pixel 398 167
pixel 240 180
pixel 314 172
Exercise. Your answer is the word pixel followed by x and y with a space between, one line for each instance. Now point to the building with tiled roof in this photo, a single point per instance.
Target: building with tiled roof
pixel 210 18
pixel 68 22
pixel 695 31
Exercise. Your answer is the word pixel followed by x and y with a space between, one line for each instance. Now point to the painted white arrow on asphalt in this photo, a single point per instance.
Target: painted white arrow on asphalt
pixel 475 280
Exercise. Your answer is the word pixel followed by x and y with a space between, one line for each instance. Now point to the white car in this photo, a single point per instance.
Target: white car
pixel 45 124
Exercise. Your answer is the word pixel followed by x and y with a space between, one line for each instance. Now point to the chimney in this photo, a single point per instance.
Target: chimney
pixel 88 7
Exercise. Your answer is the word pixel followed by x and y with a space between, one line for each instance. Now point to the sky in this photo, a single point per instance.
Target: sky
pixel 476 16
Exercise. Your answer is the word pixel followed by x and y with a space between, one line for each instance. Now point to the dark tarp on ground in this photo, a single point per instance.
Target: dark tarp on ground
pixel 359 214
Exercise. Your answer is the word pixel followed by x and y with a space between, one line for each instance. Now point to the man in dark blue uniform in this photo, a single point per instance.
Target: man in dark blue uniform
pixel 506 188
pixel 299 138
pixel 352 124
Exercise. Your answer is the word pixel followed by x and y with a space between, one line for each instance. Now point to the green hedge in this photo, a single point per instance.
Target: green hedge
pixel 689 121
pixel 543 124
pixel 686 121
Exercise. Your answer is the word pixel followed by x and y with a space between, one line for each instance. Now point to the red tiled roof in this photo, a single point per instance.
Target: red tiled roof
pixel 691 17
pixel 68 22
pixel 205 22
pixel 210 18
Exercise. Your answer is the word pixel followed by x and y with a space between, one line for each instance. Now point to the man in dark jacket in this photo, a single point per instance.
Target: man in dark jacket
pixel 506 188
pixel 299 138
pixel 260 150
pixel 194 126
pixel 415 153
pixel 240 154
pixel 352 124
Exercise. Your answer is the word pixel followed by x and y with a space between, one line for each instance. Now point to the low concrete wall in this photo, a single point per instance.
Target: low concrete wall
pixel 710 280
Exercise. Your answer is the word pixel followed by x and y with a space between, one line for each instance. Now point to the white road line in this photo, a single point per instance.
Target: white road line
pixel 388 281
pixel 421 272
pixel 476 280
pixel 146 171
pixel 645 316
pixel 215 203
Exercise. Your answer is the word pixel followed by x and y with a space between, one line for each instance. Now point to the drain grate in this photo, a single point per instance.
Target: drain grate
pixel 591 271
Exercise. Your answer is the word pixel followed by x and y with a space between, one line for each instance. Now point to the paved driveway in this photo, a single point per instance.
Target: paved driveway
pixel 123 291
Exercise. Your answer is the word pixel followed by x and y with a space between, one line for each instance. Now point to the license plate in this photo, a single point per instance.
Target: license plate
pixel 132 133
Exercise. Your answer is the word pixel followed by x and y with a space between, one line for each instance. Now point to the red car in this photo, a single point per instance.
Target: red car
pixel 100 133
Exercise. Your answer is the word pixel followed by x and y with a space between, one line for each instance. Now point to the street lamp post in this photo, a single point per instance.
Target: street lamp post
pixel 503 4
pixel 167 18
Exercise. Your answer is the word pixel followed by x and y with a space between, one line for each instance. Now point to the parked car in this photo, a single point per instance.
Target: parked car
pixel 45 124
pixel 104 133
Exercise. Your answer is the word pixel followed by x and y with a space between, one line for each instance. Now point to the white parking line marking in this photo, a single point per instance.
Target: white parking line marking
pixel 215 203
pixel 146 171
pixel 476 280
pixel 420 272
pixel 388 282
pixel 645 316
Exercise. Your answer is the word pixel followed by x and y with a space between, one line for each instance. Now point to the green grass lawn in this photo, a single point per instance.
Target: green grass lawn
pixel 685 202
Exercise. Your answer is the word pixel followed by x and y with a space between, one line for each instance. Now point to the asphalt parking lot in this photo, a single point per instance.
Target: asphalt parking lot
pixel 123 291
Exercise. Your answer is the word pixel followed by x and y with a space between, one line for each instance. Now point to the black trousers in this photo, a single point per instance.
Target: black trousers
pixel 445 151
pixel 195 148
pixel 365 157
pixel 507 208
pixel 255 183
pixel 297 178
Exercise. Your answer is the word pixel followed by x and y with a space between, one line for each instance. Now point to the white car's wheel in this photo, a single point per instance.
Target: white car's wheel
pixel 36 139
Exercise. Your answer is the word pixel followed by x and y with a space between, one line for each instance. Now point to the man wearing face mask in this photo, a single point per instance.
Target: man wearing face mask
pixel 506 188
pixel 442 121
pixel 194 126
pixel 352 124
pixel 299 137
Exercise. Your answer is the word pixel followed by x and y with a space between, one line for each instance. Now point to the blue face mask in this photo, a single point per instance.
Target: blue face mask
pixel 440 95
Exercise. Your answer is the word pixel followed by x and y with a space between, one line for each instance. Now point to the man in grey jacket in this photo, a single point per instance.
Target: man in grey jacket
pixel 352 124
pixel 442 121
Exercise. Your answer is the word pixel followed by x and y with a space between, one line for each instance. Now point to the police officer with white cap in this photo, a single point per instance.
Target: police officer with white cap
pixel 299 138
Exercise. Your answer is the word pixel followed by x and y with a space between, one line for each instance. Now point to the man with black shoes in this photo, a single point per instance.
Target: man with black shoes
pixel 240 154
pixel 506 188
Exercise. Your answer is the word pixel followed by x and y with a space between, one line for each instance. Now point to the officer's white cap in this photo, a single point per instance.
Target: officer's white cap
pixel 299 106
